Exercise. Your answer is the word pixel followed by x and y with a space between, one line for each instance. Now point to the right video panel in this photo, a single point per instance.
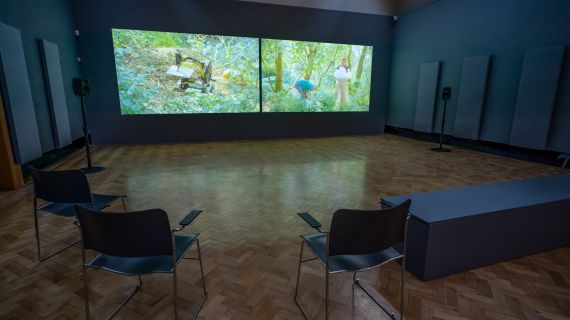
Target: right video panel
pixel 300 76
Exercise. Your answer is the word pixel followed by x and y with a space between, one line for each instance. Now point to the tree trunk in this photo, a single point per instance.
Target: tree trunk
pixel 333 61
pixel 361 63
pixel 349 57
pixel 278 70
pixel 311 55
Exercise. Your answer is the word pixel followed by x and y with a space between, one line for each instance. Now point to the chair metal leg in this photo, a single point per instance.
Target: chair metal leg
pixel 327 292
pixel 201 303
pixel 59 250
pixel 127 299
pixel 205 295
pixel 123 202
pixel 299 269
pixel 295 297
pixel 86 288
pixel 37 230
pixel 404 254
pixel 201 266
pixel 403 287
pixel 175 291
pixel 85 283
pixel 390 314
pixel 37 227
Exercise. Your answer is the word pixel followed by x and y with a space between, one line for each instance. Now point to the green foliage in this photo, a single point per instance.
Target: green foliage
pixel 143 57
pixel 315 62
pixel 134 96
pixel 292 102
pixel 137 39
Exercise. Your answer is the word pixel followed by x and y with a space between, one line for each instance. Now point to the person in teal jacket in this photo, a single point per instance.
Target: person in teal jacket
pixel 304 87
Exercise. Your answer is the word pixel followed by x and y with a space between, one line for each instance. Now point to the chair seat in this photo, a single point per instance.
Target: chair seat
pixel 100 202
pixel 318 242
pixel 145 265
pixel 67 210
pixel 104 198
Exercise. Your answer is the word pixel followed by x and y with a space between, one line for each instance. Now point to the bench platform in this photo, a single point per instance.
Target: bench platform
pixel 456 230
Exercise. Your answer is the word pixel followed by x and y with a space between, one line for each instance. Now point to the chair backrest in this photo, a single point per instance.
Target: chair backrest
pixel 358 232
pixel 131 234
pixel 69 186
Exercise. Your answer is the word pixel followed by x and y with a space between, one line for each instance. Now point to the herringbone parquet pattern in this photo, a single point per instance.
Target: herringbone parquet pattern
pixel 250 191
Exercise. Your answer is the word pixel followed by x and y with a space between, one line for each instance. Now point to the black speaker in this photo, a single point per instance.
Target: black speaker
pixel 446 93
pixel 81 87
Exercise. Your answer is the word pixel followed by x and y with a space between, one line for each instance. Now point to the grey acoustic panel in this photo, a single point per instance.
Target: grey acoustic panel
pixel 471 98
pixel 17 96
pixel 427 95
pixel 536 96
pixel 55 93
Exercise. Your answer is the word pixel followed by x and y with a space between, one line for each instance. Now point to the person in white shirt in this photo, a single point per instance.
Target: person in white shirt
pixel 342 74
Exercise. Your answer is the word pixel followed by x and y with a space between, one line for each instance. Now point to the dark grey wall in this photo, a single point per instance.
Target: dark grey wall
pixel 96 19
pixel 51 20
pixel 404 6
pixel 450 30
pixel 381 7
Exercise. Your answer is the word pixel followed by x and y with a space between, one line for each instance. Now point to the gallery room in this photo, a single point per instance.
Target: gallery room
pixel 285 159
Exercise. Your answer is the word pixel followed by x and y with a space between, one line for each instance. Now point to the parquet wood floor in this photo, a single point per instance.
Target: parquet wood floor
pixel 250 191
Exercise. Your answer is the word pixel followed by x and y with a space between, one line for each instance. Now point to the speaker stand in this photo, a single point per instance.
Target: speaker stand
pixel 441 148
pixel 89 168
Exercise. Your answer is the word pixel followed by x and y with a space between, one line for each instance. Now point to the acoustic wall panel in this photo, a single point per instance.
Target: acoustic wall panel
pixel 19 106
pixel 536 96
pixel 55 93
pixel 427 95
pixel 471 98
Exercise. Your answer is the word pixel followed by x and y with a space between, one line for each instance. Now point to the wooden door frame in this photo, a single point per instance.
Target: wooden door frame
pixel 10 172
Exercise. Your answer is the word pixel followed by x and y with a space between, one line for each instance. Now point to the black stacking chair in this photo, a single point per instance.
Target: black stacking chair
pixel 62 190
pixel 358 241
pixel 135 244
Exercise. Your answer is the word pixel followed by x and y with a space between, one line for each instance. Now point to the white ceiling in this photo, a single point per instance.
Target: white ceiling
pixel 380 7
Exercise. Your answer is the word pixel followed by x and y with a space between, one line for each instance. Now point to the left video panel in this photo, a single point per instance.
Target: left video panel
pixel 182 73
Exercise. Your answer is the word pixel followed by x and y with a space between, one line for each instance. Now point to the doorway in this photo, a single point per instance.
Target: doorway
pixel 10 172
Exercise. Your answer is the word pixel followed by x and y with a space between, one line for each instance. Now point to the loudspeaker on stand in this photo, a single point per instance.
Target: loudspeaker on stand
pixel 82 88
pixel 445 96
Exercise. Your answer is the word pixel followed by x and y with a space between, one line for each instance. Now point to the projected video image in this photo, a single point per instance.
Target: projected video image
pixel 171 73
pixel 315 77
